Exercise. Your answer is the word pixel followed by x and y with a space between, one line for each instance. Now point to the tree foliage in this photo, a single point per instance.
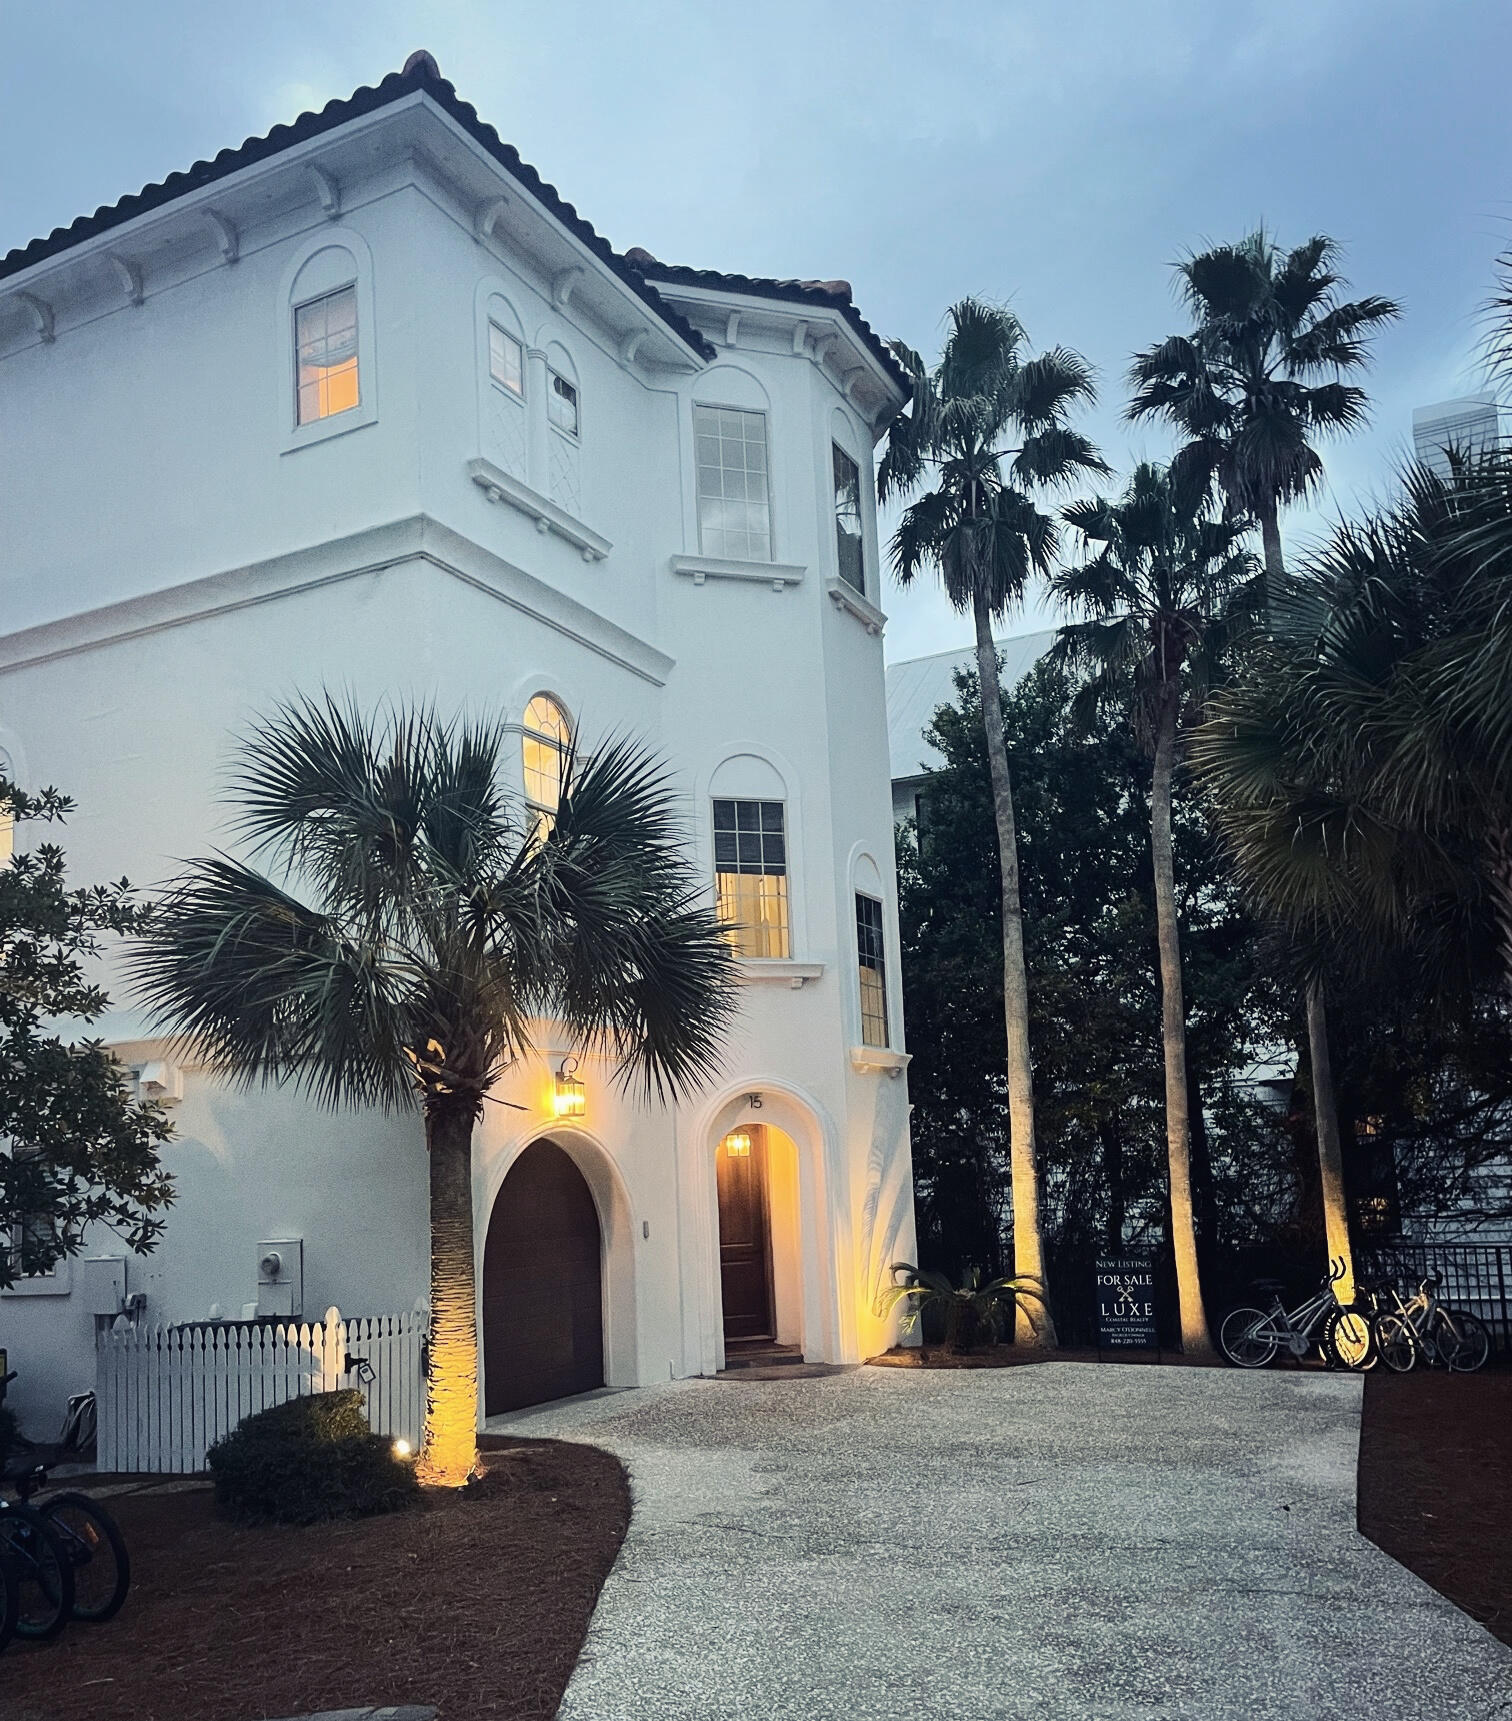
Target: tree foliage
pixel 1094 992
pixel 78 1150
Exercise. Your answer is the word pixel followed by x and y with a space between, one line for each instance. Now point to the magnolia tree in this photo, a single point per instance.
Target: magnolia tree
pixel 75 1149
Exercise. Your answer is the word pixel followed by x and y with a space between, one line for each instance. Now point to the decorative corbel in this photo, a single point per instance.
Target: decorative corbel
pixel 822 345
pixel 488 216
pixel 732 329
pixel 562 284
pixel 326 189
pixel 630 345
pixel 227 239
pixel 800 340
pixel 128 273
pixel 42 315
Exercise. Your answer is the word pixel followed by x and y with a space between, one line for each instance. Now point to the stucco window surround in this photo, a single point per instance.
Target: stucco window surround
pixel 532 463
pixel 503 413
pixel 748 773
pixel 322 265
pixel 846 439
pixel 733 390
pixel 867 882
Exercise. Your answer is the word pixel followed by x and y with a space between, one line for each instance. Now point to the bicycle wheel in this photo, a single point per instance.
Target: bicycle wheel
pixel 1395 1342
pixel 97 1552
pixel 10 1602
pixel 1463 1340
pixel 1349 1339
pixel 44 1577
pixel 1244 1338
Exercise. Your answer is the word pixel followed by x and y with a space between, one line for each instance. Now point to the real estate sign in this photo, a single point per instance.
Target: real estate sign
pixel 1126 1303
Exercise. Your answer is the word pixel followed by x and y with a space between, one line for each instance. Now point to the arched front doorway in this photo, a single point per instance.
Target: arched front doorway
pixel 760 1279
pixel 543 1298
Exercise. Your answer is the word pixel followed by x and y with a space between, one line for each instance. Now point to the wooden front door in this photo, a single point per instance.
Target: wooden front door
pixel 543 1312
pixel 745 1270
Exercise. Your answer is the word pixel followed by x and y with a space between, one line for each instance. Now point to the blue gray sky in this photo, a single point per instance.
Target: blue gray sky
pixel 1056 156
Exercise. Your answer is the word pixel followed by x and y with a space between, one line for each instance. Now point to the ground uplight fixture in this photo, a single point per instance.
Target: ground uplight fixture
pixel 568 1098
pixel 737 1144
pixel 402 1448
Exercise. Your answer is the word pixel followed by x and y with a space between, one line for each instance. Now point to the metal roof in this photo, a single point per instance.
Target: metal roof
pixel 919 686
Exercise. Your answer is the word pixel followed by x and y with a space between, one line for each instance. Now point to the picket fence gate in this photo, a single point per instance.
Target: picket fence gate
pixel 165 1395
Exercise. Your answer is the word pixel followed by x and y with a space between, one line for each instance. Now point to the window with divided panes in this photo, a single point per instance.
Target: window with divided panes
pixel 873 970
pixel 325 356
pixel 750 875
pixel 734 500
pixel 848 543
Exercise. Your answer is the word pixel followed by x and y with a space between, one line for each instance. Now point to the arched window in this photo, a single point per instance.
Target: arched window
pixel 546 743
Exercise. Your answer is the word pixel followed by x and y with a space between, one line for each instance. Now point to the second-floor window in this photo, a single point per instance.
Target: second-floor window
pixel 848 519
pixel 562 403
pixel 506 361
pixel 545 745
pixel 734 500
pixel 873 970
pixel 750 875
pixel 325 356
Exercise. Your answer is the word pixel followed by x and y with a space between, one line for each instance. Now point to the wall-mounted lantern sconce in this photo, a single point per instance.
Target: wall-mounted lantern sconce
pixel 737 1144
pixel 568 1098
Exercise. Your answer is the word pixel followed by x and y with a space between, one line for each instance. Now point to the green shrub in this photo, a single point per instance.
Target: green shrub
pixel 308 1460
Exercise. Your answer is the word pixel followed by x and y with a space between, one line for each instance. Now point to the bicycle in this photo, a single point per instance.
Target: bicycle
pixel 99 1566
pixel 1423 1326
pixel 1252 1337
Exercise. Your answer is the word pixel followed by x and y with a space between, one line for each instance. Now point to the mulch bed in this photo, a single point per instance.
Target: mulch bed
pixel 475 1602
pixel 1436 1483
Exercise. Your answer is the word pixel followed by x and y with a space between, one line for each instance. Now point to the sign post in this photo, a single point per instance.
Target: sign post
pixel 1126 1303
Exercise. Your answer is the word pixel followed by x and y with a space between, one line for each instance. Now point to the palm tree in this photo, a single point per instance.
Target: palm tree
pixel 1163 596
pixel 1259 375
pixel 417 926
pixel 1361 767
pixel 981 531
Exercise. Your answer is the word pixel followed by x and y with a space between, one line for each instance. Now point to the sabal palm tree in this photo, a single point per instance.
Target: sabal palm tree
pixel 1258 378
pixel 1163 596
pixel 1361 768
pixel 415 928
pixel 987 426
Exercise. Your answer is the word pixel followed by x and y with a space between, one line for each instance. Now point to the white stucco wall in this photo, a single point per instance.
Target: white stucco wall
pixel 171 567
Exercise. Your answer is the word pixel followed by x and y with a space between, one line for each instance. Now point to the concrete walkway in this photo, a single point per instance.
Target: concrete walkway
pixel 1100 1544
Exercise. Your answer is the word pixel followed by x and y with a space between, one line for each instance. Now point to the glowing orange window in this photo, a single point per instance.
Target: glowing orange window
pixel 325 356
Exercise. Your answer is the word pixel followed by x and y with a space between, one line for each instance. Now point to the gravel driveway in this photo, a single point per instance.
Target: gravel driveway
pixel 1104 1544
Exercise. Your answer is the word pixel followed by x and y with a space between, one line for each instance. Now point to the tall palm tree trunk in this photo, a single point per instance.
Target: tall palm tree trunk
pixel 1270 540
pixel 1499 869
pixel 1195 1338
pixel 451 1412
pixel 1330 1154
pixel 1028 1243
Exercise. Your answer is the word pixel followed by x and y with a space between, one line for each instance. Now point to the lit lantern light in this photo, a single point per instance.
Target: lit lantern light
pixel 402 1449
pixel 737 1144
pixel 568 1098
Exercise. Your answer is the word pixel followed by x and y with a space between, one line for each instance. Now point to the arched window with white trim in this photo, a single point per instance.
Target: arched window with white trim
pixel 546 745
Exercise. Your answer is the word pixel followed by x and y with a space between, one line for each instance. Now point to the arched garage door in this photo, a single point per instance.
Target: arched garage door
pixel 543 1315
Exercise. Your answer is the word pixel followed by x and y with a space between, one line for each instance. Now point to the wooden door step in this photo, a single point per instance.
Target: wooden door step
pixel 760 1354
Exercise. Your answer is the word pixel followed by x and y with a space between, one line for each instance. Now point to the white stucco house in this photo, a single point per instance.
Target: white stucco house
pixel 365 405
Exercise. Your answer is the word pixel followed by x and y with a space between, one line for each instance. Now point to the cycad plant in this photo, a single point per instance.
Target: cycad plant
pixel 413 928
pixel 972 1312
pixel 1164 595
pixel 1259 376
pixel 987 429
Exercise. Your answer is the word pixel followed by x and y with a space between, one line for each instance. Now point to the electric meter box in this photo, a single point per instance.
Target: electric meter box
pixel 104 1284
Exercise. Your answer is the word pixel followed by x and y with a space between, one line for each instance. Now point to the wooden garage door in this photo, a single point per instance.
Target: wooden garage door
pixel 543 1318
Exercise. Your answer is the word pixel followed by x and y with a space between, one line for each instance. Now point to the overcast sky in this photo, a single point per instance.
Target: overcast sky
pixel 1056 154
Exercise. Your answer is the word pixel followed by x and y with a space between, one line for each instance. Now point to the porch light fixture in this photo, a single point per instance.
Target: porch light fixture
pixel 568 1098
pixel 737 1144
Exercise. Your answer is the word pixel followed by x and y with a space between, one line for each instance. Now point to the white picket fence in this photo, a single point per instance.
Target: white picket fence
pixel 165 1395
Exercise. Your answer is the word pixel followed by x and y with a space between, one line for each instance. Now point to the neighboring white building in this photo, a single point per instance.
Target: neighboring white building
pixel 364 405
pixel 919 686
pixel 1470 426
